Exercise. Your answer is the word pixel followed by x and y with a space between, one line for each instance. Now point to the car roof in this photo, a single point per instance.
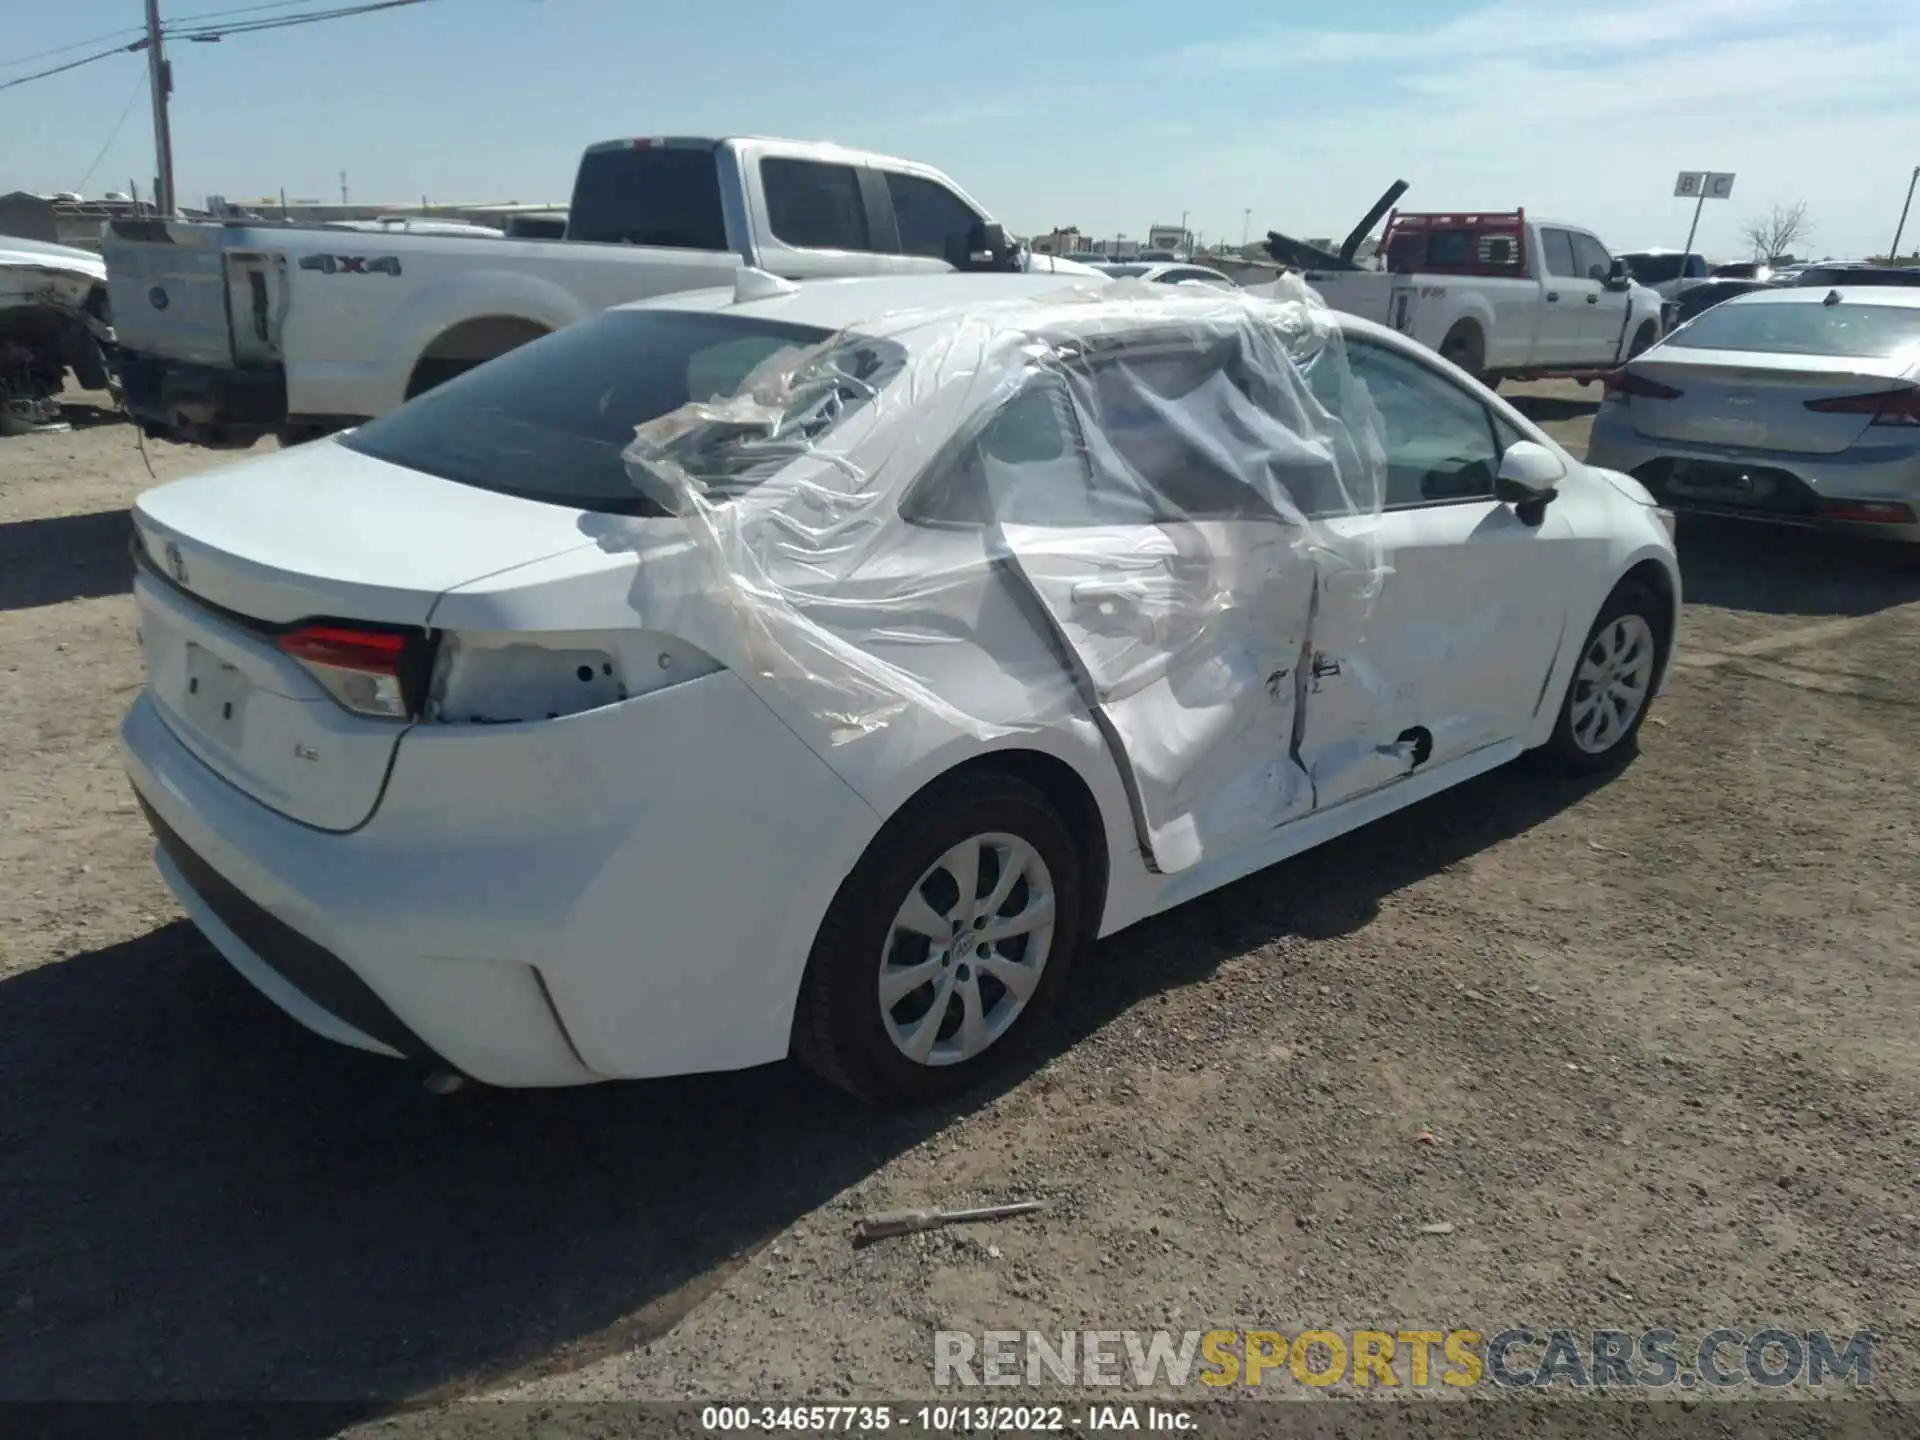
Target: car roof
pixel 1056 302
pixel 1817 295
pixel 838 304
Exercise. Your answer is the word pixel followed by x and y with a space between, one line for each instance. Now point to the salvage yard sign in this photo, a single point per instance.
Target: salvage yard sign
pixel 1701 186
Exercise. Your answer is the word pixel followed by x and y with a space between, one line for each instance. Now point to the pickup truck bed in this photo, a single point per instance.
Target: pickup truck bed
pixel 1502 295
pixel 234 329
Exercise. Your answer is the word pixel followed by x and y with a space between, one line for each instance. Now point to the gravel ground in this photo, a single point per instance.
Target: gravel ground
pixel 1647 1047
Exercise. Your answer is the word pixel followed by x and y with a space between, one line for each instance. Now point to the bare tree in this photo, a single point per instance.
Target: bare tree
pixel 1774 235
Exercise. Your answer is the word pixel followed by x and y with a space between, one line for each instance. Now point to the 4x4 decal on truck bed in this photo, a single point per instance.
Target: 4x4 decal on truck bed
pixel 351 264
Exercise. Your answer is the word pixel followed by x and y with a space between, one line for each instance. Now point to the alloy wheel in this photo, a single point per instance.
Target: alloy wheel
pixel 966 949
pixel 1613 683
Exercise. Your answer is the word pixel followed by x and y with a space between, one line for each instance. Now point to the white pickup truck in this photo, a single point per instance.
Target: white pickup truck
pixel 1501 295
pixel 233 330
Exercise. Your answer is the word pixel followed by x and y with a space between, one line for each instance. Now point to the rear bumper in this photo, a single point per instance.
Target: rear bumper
pixel 307 980
pixel 618 894
pixel 1797 486
pixel 204 404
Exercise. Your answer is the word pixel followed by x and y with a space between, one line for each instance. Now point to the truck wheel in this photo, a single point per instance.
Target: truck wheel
pixel 1465 347
pixel 1643 339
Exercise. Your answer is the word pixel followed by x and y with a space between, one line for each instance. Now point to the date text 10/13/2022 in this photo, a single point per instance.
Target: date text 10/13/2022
pixel 916 1420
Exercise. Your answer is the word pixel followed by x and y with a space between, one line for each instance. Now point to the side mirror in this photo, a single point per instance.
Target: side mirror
pixel 1529 480
pixel 987 247
pixel 1618 278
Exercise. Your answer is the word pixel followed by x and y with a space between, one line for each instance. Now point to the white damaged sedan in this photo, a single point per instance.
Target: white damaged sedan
pixel 819 669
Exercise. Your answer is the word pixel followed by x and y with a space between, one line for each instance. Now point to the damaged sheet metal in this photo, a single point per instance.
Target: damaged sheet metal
pixel 53 319
pixel 1123 506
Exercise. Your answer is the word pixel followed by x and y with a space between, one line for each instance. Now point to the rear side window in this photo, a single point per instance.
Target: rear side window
pixel 661 195
pixel 1162 452
pixel 814 206
pixel 1878 332
pixel 549 420
pixel 1558 247
pixel 933 221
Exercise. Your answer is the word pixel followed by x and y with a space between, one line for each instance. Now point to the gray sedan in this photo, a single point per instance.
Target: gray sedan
pixel 1799 406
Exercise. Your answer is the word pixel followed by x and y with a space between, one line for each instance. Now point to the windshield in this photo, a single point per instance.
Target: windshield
pixel 1880 332
pixel 548 421
pixel 1655 269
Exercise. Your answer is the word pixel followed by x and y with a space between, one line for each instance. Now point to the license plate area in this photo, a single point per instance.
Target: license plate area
pixel 1724 484
pixel 214 698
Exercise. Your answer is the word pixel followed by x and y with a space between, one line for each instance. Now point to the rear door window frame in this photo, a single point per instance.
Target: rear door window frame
pixel 869 229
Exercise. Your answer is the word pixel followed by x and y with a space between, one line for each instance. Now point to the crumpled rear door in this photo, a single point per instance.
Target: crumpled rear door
pixel 1185 639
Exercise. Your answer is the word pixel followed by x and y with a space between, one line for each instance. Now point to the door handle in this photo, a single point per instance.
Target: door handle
pixel 1553 295
pixel 1593 299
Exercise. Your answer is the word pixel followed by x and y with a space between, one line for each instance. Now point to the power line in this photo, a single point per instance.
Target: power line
pixel 207 33
pixel 69 49
pixel 125 111
pixel 74 64
pixel 282 22
pixel 242 10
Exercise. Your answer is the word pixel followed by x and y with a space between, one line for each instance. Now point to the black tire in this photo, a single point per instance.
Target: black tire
pixel 1562 752
pixel 431 374
pixel 1467 348
pixel 303 433
pixel 1643 339
pixel 839 1031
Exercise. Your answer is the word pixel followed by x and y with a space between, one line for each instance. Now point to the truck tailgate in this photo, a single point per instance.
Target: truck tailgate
pixel 168 286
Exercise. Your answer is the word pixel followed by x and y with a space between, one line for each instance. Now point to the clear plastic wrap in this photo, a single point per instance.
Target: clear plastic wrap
pixel 1128 505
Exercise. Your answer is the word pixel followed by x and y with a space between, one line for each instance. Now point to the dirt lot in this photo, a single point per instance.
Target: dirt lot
pixel 1660 1032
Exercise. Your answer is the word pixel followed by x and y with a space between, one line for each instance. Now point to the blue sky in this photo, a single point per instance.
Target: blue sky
pixel 1109 115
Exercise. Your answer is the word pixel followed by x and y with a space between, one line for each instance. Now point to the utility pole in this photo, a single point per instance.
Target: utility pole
pixel 1246 220
pixel 343 187
pixel 160 85
pixel 1893 252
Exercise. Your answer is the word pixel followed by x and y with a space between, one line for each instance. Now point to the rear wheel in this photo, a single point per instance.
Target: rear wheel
pixel 945 945
pixel 1612 687
pixel 1465 347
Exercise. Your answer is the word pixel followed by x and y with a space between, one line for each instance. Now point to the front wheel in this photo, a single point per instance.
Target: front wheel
pixel 1612 685
pixel 945 945
pixel 1643 339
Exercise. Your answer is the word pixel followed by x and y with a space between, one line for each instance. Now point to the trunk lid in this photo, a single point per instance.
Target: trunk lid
pixel 1755 401
pixel 233 558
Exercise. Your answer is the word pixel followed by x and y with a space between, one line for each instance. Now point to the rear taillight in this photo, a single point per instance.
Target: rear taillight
pixel 367 670
pixel 1626 385
pixel 1868 512
pixel 1888 407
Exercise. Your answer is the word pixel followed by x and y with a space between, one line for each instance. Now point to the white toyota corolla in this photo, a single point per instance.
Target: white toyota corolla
pixel 818 669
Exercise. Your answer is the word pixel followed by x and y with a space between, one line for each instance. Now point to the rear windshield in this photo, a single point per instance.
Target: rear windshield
pixel 663 195
pixel 1655 269
pixel 548 421
pixel 1880 332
